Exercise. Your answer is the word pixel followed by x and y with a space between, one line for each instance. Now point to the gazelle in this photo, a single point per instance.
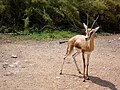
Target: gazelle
pixel 83 44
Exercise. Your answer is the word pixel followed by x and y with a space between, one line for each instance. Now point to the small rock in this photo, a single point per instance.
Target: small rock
pixel 16 63
pixel 5 65
pixel 102 53
pixel 13 56
pixel 114 39
pixel 104 67
pixel 12 66
pixel 91 67
pixel 8 41
pixel 22 66
pixel 68 62
pixel 119 38
pixel 86 86
pixel 109 41
pixel 32 64
pixel 8 74
pixel 58 77
pixel 75 78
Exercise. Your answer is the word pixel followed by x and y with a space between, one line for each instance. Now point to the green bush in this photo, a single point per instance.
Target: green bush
pixel 30 16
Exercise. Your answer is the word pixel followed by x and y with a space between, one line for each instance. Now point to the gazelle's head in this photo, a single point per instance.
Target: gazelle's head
pixel 89 31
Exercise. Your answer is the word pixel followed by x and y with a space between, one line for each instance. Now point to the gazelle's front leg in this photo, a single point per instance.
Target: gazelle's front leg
pixel 83 65
pixel 88 56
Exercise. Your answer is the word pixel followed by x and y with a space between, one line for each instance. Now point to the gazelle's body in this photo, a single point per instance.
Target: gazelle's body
pixel 83 44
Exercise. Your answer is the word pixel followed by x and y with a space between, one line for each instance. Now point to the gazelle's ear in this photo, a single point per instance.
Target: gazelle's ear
pixel 96 29
pixel 85 26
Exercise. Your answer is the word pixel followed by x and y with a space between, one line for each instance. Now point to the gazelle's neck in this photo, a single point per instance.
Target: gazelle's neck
pixel 91 43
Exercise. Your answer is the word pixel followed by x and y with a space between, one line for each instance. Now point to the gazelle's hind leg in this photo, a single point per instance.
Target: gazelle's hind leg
pixel 69 50
pixel 74 55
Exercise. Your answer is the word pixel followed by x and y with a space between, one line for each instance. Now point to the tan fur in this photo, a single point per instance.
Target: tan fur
pixel 79 42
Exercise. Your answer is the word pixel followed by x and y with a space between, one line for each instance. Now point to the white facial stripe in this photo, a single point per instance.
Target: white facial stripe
pixel 89 31
pixel 86 36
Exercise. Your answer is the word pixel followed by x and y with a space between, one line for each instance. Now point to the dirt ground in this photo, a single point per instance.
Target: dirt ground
pixel 35 65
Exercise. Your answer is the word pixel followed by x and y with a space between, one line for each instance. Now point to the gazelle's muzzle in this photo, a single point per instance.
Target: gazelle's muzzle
pixel 87 37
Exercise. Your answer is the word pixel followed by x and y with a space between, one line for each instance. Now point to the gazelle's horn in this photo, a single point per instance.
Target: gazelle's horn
pixel 94 22
pixel 87 21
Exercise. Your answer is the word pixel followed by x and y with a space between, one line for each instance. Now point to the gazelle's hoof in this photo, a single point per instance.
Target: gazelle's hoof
pixel 61 73
pixel 87 78
pixel 80 72
pixel 83 80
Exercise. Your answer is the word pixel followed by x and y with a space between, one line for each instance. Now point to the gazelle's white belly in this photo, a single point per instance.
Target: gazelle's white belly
pixel 79 51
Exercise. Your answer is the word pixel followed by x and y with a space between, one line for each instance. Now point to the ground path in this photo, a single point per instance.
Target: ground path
pixel 35 65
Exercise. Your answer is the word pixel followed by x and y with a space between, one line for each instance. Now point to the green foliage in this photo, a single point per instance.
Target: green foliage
pixel 41 36
pixel 29 16
pixel 53 35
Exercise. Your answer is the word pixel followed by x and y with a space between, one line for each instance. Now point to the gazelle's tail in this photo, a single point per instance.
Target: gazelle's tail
pixel 61 42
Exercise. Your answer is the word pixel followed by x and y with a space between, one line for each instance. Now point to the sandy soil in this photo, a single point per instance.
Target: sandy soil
pixel 35 65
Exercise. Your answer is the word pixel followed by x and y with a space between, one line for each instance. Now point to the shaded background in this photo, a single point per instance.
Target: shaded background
pixel 28 16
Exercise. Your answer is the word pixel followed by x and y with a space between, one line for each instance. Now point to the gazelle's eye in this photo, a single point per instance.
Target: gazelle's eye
pixel 91 32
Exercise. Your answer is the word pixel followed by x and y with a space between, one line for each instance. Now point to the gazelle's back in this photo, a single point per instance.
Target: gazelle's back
pixel 79 42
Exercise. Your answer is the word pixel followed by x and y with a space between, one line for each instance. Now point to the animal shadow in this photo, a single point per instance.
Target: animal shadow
pixel 97 81
pixel 103 83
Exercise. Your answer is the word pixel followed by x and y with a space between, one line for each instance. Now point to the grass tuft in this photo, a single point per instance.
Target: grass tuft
pixel 42 35
pixel 52 35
